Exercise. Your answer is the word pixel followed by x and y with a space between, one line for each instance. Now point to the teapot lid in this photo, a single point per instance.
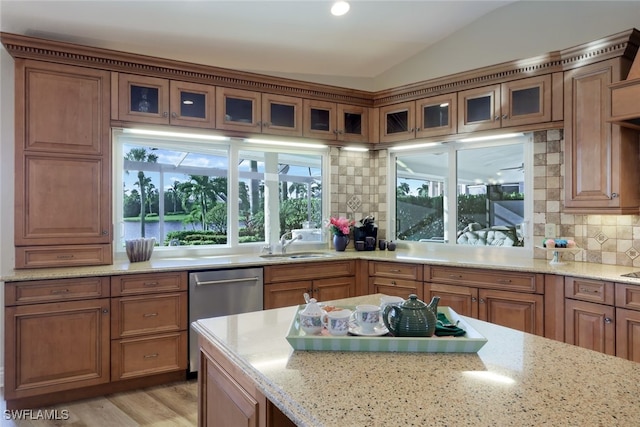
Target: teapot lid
pixel 312 308
pixel 413 302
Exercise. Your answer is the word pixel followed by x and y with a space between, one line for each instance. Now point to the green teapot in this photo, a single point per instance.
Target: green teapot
pixel 413 318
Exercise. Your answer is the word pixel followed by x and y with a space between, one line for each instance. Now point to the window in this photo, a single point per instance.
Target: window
pixel 464 193
pixel 179 189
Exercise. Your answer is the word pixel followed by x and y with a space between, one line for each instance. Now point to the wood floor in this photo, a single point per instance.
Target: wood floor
pixel 168 405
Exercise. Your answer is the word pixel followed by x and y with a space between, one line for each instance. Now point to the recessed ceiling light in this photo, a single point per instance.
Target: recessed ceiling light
pixel 339 8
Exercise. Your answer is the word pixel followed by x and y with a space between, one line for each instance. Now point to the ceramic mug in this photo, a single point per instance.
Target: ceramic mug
pixel 337 321
pixel 386 300
pixel 367 316
pixel 311 323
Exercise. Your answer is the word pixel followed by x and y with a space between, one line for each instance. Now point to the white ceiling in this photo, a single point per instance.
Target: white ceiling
pixel 277 37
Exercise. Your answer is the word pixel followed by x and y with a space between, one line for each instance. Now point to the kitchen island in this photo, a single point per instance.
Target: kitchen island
pixel 515 379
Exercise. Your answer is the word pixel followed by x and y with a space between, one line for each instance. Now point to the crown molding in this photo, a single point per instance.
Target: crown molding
pixel 623 44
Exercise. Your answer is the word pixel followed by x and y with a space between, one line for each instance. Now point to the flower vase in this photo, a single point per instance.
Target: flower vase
pixel 340 242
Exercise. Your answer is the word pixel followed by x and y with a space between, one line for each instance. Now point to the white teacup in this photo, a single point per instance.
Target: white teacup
pixel 337 321
pixel 311 323
pixel 367 316
pixel 386 300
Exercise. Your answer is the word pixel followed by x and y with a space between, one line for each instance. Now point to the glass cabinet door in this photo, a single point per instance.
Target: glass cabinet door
pixel 319 119
pixel 526 101
pixel 143 99
pixel 397 122
pixel 281 115
pixel 479 109
pixel 353 123
pixel 436 116
pixel 238 109
pixel 192 104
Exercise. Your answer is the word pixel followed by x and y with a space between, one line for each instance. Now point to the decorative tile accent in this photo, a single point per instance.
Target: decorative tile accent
pixel 601 237
pixel 354 203
pixel 632 253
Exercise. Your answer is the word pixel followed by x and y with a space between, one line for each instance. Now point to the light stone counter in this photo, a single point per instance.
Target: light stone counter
pixel 516 379
pixel 498 260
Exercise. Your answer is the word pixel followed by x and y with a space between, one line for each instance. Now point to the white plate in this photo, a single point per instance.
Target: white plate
pixel 378 330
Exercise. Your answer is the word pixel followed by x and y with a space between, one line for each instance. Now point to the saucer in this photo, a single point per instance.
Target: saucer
pixel 378 330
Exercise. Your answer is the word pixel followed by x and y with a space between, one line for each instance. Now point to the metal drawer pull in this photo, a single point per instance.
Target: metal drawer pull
pixel 69 256
pixel 394 270
pixel 149 314
pixel 504 280
pixel 151 356
pixel 219 282
pixel 150 284
pixel 455 276
pixel 590 291
pixel 60 291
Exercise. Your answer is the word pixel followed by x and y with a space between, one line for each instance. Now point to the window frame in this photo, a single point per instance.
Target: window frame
pixel 232 147
pixel 451 148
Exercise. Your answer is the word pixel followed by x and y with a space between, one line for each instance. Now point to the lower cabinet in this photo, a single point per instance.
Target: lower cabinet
pixel 395 278
pixel 67 339
pixel 590 319
pixel 228 398
pixel 511 299
pixel 628 321
pixel 285 284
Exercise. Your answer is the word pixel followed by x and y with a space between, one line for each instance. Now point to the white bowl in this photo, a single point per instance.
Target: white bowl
pixel 140 249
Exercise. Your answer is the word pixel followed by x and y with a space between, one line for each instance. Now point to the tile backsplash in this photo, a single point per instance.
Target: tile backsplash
pixel 359 188
pixel 605 239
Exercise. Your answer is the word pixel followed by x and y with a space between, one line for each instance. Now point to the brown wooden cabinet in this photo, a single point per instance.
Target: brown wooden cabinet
pixel 628 321
pixel 427 117
pixel 148 324
pixel 394 278
pixel 255 112
pixel 512 299
pixel 601 159
pixel 337 122
pixel 56 336
pixel 590 320
pixel 144 99
pixel 62 151
pixel 284 284
pixel 514 103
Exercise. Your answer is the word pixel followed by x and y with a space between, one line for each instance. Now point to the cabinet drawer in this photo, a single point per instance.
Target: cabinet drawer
pixel 63 256
pixel 33 292
pixel 308 271
pixel 396 287
pixel 589 290
pixel 627 296
pixel 138 357
pixel 133 316
pixel 395 270
pixel 509 280
pixel 137 284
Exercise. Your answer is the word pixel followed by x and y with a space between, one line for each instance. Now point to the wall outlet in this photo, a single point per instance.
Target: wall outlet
pixel 550 230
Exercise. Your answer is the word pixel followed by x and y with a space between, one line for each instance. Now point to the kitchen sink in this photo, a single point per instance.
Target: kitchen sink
pixel 298 255
pixel 635 274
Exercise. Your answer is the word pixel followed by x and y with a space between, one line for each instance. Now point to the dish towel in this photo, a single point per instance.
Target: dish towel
pixel 444 328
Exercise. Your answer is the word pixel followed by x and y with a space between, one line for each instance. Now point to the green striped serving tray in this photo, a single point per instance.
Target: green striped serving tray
pixel 471 342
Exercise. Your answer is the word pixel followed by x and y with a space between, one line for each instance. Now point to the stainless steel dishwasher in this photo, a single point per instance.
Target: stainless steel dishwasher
pixel 219 293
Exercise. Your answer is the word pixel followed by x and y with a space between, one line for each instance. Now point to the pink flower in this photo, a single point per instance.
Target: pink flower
pixel 340 226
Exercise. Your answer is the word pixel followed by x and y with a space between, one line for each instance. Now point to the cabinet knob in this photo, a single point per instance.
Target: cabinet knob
pixel 393 282
pixel 165 114
pixel 607 320
pixel 496 118
pixel 259 124
pixel 614 195
pixel 474 299
pixel 105 310
pixel 417 129
pixel 105 232
pixel 481 300
pixel 174 115
pixel 505 117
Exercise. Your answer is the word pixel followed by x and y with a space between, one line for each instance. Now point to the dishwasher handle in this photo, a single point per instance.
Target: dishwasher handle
pixel 223 281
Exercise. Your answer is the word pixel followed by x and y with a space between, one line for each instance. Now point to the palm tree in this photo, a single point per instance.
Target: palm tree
pixel 403 189
pixel 140 155
pixel 204 191
pixel 423 191
pixel 175 191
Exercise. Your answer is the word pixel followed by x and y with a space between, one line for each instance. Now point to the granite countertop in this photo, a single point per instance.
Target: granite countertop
pixel 498 260
pixel 516 379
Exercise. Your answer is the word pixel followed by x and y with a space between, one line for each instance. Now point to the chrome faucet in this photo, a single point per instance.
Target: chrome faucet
pixel 284 242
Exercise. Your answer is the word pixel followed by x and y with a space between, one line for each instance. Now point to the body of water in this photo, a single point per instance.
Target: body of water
pixel 152 229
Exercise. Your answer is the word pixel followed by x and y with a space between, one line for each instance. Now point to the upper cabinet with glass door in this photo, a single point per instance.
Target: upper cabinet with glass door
pixel 341 122
pixel 428 117
pixel 161 101
pixel 255 112
pixel 515 103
